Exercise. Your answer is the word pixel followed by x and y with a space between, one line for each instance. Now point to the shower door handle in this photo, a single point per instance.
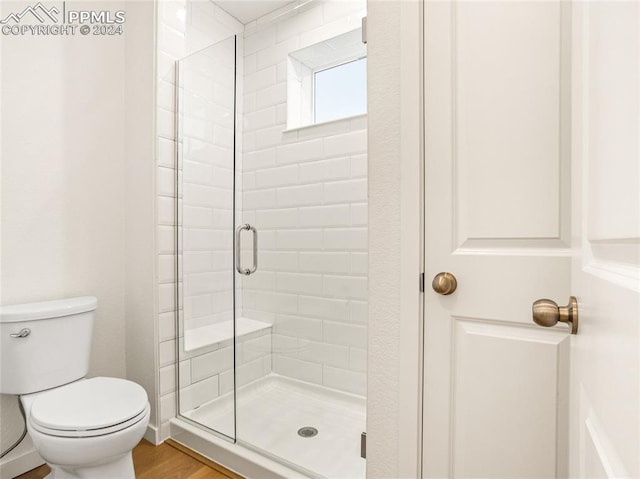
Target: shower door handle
pixel 239 268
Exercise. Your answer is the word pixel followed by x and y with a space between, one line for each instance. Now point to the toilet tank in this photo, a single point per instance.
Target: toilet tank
pixel 45 345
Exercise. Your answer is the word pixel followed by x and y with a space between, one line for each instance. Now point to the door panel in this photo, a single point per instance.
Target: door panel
pixel 497 216
pixel 605 373
pixel 506 378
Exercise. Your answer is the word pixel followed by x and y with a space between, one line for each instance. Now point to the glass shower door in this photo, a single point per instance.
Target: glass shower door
pixel 205 240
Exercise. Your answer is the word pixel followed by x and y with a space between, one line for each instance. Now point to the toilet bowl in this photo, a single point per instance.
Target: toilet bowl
pixel 83 428
pixel 88 428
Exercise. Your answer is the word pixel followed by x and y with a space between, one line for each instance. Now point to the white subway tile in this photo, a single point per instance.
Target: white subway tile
pixel 323 262
pixel 281 176
pixel 269 302
pixel 325 308
pixel 325 216
pixel 165 124
pixel 268 137
pixel 358 359
pixel 166 326
pixel 319 171
pixel 259 40
pixel 359 311
pixel 167 407
pixel 209 364
pixel 285 218
pixel 167 379
pixel 345 334
pixel 299 239
pixel 264 280
pixel 295 368
pixel 260 119
pixel 300 195
pixel 167 353
pixel 166 239
pixel 350 381
pixel 299 283
pixel 324 353
pixel 345 144
pixel 350 191
pixel 345 239
pixel 272 95
pixel 166 297
pixel 260 79
pixel 297 24
pixel 345 287
pixel 198 393
pixel 252 200
pixel 196 261
pixel 359 264
pixel 250 371
pixel 184 373
pixel 256 348
pixel 166 268
pixel 359 214
pixel 298 326
pixel 279 260
pixel 196 217
pixel 299 152
pixel 250 64
pixel 259 159
pixel 166 153
pixel 359 166
pixel 166 210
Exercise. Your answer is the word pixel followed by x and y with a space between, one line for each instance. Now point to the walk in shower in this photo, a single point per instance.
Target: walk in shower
pixel 272 236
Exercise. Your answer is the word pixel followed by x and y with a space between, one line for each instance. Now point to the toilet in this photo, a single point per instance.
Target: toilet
pixel 83 428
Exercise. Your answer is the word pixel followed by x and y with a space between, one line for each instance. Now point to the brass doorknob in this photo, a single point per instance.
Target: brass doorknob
pixel 444 283
pixel 547 313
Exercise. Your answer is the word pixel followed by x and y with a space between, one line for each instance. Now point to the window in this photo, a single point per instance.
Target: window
pixel 340 91
pixel 327 81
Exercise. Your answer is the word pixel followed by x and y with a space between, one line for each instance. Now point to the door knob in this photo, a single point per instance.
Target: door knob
pixel 547 313
pixel 444 283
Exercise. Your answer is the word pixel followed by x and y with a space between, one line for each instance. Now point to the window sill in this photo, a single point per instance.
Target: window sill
pixel 324 123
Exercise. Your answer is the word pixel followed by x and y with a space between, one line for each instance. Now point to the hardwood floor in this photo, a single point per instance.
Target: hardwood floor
pixel 169 460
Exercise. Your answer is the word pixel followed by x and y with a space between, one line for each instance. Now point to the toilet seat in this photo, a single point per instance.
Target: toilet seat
pixel 90 408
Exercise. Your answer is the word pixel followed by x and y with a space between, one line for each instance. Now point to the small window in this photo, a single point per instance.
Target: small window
pixel 327 81
pixel 340 91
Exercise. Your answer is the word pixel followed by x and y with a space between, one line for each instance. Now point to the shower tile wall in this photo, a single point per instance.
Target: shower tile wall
pixel 183 28
pixel 306 190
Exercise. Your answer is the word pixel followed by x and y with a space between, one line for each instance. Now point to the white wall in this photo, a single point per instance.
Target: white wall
pixel 394 97
pixel 306 192
pixel 77 191
pixel 63 183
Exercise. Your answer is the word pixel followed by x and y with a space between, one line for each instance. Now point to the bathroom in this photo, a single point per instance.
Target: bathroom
pixel 123 181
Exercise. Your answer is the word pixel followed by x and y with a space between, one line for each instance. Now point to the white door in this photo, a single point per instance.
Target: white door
pixel 532 182
pixel 605 355
pixel 498 217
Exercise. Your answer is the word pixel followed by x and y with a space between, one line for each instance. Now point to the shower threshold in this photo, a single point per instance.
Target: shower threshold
pixel 272 410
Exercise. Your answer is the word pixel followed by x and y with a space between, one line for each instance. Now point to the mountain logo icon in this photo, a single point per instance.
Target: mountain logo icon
pixel 39 11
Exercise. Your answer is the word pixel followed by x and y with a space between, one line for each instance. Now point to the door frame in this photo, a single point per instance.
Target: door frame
pixel 396 196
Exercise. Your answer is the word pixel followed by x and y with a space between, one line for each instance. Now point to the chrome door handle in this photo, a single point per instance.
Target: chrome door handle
pixel 239 268
pixel 22 334
pixel 547 313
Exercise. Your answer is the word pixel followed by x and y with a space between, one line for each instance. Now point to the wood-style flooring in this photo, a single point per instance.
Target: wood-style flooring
pixel 169 460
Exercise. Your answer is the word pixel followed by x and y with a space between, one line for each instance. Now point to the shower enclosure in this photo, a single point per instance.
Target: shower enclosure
pixel 272 238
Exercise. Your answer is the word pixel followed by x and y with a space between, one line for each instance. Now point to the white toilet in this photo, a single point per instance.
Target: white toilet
pixel 83 428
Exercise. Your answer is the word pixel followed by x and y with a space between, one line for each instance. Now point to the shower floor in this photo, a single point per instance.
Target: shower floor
pixel 270 412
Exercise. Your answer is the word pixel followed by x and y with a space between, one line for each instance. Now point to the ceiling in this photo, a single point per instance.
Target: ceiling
pixel 246 11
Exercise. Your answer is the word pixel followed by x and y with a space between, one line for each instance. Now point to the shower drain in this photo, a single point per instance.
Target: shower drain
pixel 307 431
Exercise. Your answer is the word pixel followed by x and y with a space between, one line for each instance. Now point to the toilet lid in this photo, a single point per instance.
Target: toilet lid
pixel 94 406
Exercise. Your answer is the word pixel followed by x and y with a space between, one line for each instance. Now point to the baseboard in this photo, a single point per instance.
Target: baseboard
pixel 20 461
pixel 151 435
